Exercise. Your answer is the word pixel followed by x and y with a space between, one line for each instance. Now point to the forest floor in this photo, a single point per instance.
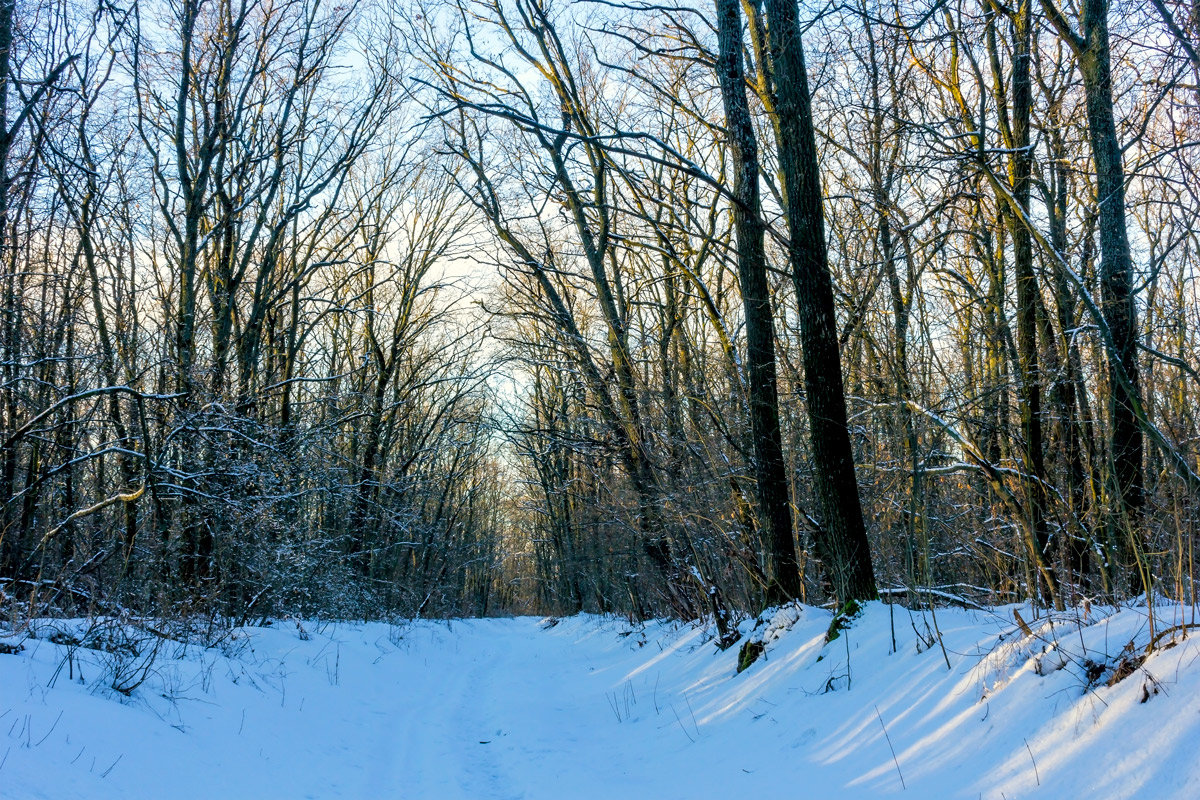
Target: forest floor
pixel 591 707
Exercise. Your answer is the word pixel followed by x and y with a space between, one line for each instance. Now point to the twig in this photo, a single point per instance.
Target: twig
pixel 895 760
pixel 1169 632
pixel 941 644
pixel 52 727
pixel 1037 777
pixel 695 724
pixel 677 719
pixel 112 766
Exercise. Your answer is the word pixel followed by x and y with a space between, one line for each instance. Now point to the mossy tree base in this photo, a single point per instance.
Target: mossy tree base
pixel 750 651
pixel 843 619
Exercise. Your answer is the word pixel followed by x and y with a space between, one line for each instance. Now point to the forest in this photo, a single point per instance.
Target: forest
pixel 441 308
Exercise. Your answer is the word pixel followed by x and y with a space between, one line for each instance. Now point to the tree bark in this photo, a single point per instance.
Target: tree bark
pixel 1017 141
pixel 842 540
pixel 1091 48
pixel 783 569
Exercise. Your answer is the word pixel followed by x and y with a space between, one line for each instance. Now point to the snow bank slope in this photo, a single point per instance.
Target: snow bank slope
pixel 587 708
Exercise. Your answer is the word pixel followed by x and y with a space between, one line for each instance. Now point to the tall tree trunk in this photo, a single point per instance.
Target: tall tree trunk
pixel 783 570
pixel 9 549
pixel 842 540
pixel 1091 47
pixel 1017 141
pixel 1063 392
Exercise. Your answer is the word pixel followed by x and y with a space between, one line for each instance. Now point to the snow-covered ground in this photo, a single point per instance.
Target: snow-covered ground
pixel 594 708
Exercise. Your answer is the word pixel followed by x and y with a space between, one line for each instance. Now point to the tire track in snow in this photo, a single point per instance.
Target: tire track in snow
pixel 444 720
pixel 483 772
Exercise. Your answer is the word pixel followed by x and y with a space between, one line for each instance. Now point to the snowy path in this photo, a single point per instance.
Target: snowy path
pixel 506 709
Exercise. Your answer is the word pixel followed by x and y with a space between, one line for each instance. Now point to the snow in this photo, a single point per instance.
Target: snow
pixel 780 623
pixel 590 707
